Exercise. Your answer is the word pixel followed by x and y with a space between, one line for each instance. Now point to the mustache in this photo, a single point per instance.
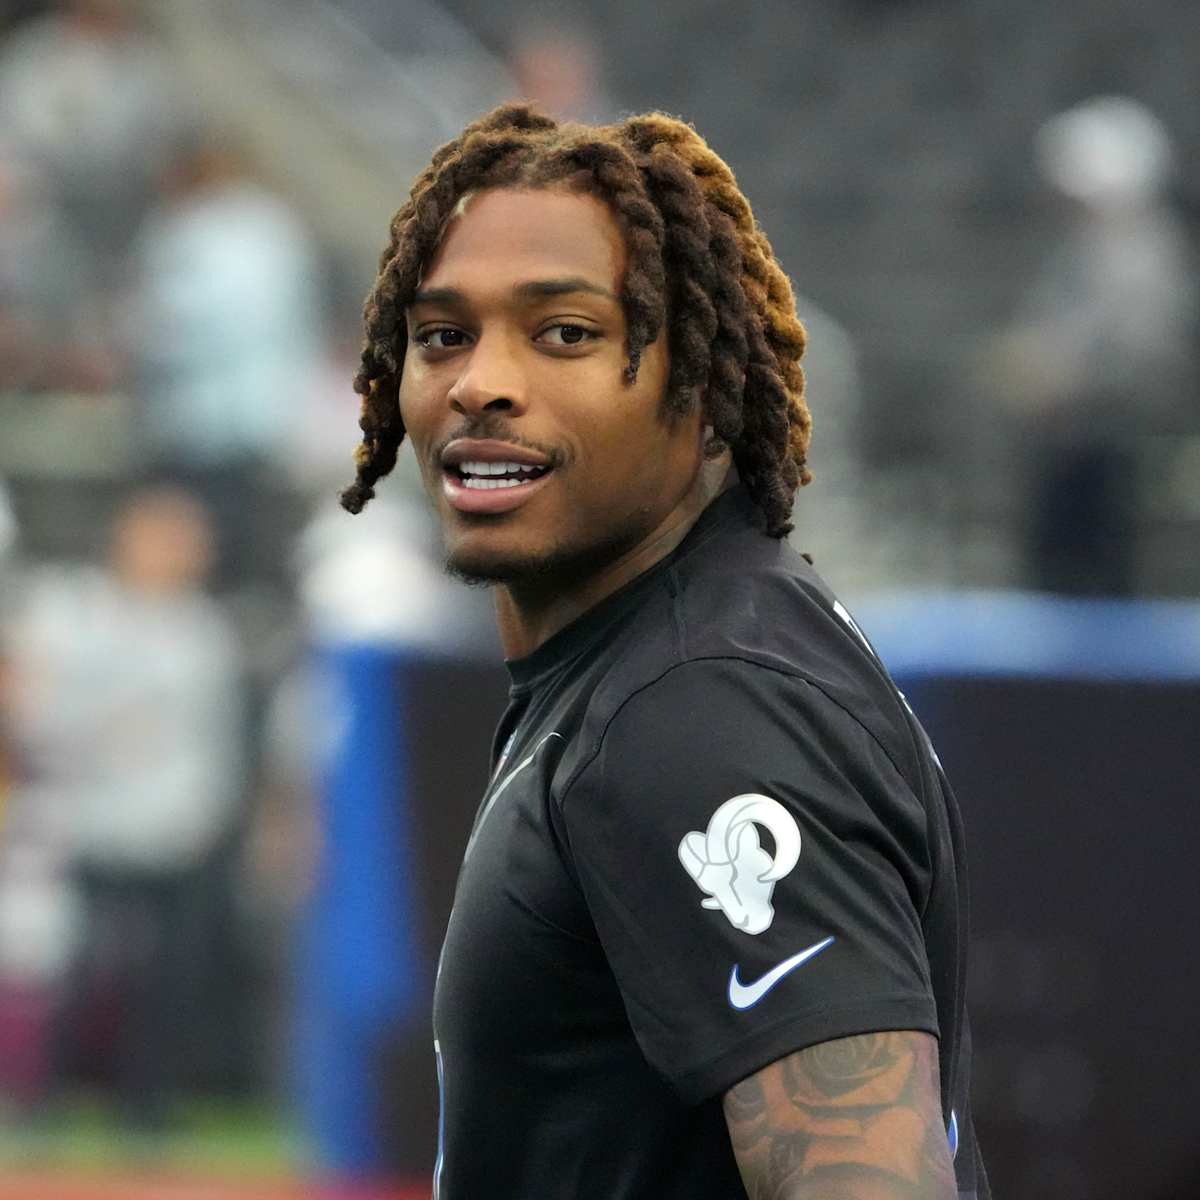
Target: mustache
pixel 493 427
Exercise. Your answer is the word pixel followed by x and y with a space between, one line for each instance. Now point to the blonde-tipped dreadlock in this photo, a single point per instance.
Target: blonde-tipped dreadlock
pixel 697 263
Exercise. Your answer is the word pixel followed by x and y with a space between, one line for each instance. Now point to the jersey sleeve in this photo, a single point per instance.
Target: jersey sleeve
pixel 755 865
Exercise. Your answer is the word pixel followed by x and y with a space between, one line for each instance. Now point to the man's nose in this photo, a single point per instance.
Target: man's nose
pixel 491 381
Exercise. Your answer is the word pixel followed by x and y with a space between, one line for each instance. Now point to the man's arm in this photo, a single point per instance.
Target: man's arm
pixel 858 1118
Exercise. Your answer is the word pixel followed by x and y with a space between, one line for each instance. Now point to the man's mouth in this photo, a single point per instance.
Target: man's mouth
pixel 485 476
pixel 475 486
pixel 490 475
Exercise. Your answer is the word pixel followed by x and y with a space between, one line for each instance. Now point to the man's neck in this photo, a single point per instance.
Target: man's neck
pixel 528 616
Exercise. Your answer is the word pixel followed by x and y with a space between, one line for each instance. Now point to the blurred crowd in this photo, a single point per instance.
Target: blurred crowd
pixel 154 289
pixel 145 275
pixel 175 418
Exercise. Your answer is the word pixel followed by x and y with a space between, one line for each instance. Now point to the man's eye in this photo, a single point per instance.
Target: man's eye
pixel 565 335
pixel 441 339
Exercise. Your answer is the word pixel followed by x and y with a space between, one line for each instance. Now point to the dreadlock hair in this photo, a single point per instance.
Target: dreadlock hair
pixel 697 263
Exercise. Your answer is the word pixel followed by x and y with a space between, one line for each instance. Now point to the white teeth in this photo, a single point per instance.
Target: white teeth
pixel 493 468
pixel 481 476
pixel 479 484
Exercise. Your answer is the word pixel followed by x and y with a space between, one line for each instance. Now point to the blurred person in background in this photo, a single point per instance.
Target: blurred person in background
pixel 557 66
pixel 89 96
pixel 228 338
pixel 596 355
pixel 125 703
pixel 55 327
pixel 88 109
pixel 1104 352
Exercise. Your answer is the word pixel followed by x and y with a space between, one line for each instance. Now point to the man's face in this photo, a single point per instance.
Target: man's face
pixel 515 356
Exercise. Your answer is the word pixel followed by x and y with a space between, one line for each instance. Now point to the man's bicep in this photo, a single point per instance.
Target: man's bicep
pixel 856 1118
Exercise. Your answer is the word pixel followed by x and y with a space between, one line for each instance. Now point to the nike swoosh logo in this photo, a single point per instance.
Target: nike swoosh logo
pixel 743 995
pixel 487 808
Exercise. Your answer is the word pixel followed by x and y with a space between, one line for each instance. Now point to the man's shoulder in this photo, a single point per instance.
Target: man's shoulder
pixel 745 603
pixel 748 597
pixel 730 678
pixel 749 594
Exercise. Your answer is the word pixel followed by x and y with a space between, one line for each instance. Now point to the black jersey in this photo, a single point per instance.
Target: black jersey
pixel 714 835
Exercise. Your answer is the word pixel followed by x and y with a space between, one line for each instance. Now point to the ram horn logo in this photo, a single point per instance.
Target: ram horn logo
pixel 729 863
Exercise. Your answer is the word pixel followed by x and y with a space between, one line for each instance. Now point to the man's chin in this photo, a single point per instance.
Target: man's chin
pixel 561 565
pixel 485 570
pixel 557 566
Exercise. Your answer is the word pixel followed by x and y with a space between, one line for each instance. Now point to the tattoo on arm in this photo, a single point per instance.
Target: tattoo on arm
pixel 857 1118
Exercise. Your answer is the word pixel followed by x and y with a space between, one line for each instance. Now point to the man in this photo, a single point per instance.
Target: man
pixel 708 938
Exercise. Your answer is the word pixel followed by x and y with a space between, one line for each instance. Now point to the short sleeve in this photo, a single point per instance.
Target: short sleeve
pixel 755 865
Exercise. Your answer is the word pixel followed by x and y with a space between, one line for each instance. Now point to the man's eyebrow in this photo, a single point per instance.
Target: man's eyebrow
pixel 534 289
pixel 538 288
pixel 442 295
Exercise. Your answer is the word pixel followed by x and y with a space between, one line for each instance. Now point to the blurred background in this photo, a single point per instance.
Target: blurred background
pixel 242 734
